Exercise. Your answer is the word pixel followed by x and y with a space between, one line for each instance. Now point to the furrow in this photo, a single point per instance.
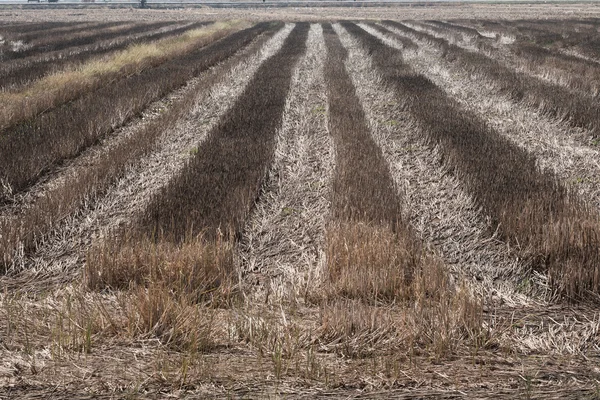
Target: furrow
pixel 579 75
pixel 23 228
pixel 21 72
pixel 59 42
pixel 567 93
pixel 450 220
pixel 377 268
pixel 18 29
pixel 552 100
pixel 27 34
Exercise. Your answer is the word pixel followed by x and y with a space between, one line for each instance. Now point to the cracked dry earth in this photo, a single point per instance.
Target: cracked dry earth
pixel 283 332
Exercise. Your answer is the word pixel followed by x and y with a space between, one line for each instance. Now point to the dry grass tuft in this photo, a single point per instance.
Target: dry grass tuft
pixel 73 322
pixel 357 330
pixel 386 294
pixel 440 324
pixel 171 289
pixel 198 268
pixel 59 325
pixel 371 262
pixel 174 318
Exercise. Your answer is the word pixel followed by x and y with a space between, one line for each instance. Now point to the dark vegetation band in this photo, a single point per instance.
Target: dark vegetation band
pixel 31 148
pixel 20 71
pixel 533 210
pixel 217 188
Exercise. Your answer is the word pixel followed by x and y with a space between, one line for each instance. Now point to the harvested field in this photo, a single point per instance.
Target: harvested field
pixel 22 71
pixel 300 208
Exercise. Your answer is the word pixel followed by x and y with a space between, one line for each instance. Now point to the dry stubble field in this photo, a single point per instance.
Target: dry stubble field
pixel 351 209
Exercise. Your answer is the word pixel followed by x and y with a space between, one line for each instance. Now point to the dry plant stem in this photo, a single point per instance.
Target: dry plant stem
pixel 403 30
pixel 218 187
pixel 529 205
pixel 580 75
pixel 197 271
pixel 63 360
pixel 482 30
pixel 550 330
pixel 282 243
pixel 60 256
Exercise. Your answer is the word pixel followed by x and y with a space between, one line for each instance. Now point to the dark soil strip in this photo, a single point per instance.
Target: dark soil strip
pixel 63 30
pixel 217 188
pixel 20 29
pixel 82 37
pixel 94 178
pixel 579 74
pixel 579 35
pixel 407 44
pixel 422 36
pixel 372 253
pixel 465 31
pixel 363 189
pixel 534 212
pixel 554 33
pixel 29 32
pixel 32 148
pixel 581 111
pixel 19 72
